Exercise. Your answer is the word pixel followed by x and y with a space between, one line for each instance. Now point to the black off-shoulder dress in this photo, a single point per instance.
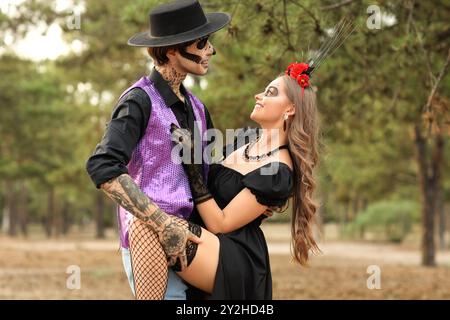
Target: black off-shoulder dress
pixel 244 269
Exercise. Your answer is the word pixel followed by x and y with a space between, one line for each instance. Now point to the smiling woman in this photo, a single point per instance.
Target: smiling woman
pixel 267 108
pixel 231 261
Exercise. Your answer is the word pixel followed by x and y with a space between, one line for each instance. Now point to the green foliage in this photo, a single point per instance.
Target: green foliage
pixel 391 220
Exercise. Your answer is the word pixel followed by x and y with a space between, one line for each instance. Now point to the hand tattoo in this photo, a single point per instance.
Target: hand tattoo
pixel 173 241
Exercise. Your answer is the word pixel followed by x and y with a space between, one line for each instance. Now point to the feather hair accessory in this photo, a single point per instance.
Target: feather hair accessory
pixel 301 72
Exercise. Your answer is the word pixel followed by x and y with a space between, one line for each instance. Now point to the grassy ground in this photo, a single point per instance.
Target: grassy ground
pixel 36 269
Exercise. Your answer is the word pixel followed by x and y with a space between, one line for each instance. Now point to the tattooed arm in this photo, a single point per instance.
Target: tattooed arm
pixel 173 237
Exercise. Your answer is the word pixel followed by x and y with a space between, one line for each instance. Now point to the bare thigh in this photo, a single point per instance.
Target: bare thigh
pixel 201 273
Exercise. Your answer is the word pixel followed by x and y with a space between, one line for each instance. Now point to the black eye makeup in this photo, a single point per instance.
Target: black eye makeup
pixel 271 91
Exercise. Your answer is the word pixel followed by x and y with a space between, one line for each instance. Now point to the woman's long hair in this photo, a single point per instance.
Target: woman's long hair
pixel 303 134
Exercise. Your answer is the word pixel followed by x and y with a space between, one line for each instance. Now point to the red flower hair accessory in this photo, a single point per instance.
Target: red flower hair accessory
pixel 303 80
pixel 298 71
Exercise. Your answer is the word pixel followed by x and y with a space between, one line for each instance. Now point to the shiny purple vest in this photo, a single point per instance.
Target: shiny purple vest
pixel 151 167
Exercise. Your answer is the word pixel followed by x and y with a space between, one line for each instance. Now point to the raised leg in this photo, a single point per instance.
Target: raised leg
pixel 149 261
pixel 201 273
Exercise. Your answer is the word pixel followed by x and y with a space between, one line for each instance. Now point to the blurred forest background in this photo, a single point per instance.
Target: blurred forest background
pixel 384 100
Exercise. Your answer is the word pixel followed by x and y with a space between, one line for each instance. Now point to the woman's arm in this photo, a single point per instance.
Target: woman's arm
pixel 243 209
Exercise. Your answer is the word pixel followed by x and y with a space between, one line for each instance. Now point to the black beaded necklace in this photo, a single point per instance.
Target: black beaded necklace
pixel 262 156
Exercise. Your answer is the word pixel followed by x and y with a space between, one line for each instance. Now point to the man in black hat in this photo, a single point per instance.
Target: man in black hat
pixel 132 163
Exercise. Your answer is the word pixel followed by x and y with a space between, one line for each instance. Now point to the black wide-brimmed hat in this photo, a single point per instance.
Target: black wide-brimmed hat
pixel 178 22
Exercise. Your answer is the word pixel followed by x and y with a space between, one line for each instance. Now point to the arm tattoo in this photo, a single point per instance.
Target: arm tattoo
pixel 127 194
pixel 159 216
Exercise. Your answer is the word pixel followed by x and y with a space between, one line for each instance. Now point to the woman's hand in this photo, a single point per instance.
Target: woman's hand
pixel 193 170
pixel 182 136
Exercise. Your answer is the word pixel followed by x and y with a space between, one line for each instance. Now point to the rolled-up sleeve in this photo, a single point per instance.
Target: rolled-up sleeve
pixel 122 134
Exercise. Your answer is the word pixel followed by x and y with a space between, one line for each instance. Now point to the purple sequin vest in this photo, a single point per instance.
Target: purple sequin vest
pixel 151 166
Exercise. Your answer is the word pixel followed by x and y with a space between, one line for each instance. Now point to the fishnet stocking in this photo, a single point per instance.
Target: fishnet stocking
pixel 149 261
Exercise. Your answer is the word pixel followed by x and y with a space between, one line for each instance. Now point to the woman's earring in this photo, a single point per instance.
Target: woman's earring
pixel 284 122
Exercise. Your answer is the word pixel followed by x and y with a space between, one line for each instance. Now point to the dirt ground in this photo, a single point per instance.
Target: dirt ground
pixel 36 269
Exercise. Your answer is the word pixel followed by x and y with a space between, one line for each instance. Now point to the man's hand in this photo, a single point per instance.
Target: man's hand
pixel 173 238
pixel 172 235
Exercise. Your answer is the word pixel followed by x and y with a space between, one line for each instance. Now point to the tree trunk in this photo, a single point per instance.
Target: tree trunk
pixel 355 207
pixel 100 221
pixel 348 211
pixel 9 221
pixel 429 179
pixel 56 214
pixel 5 218
pixel 6 213
pixel 442 222
pixel 48 219
pixel 23 208
pixel 323 215
pixel 65 216
pixel 112 208
pixel 342 218
pixel 428 254
pixel 12 204
pixel 428 245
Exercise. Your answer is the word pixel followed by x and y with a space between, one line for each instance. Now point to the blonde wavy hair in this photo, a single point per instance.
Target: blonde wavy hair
pixel 303 132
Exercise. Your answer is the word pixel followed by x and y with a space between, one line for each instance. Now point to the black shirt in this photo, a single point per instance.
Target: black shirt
pixel 128 124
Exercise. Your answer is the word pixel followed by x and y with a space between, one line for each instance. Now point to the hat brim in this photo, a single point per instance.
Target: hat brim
pixel 216 21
